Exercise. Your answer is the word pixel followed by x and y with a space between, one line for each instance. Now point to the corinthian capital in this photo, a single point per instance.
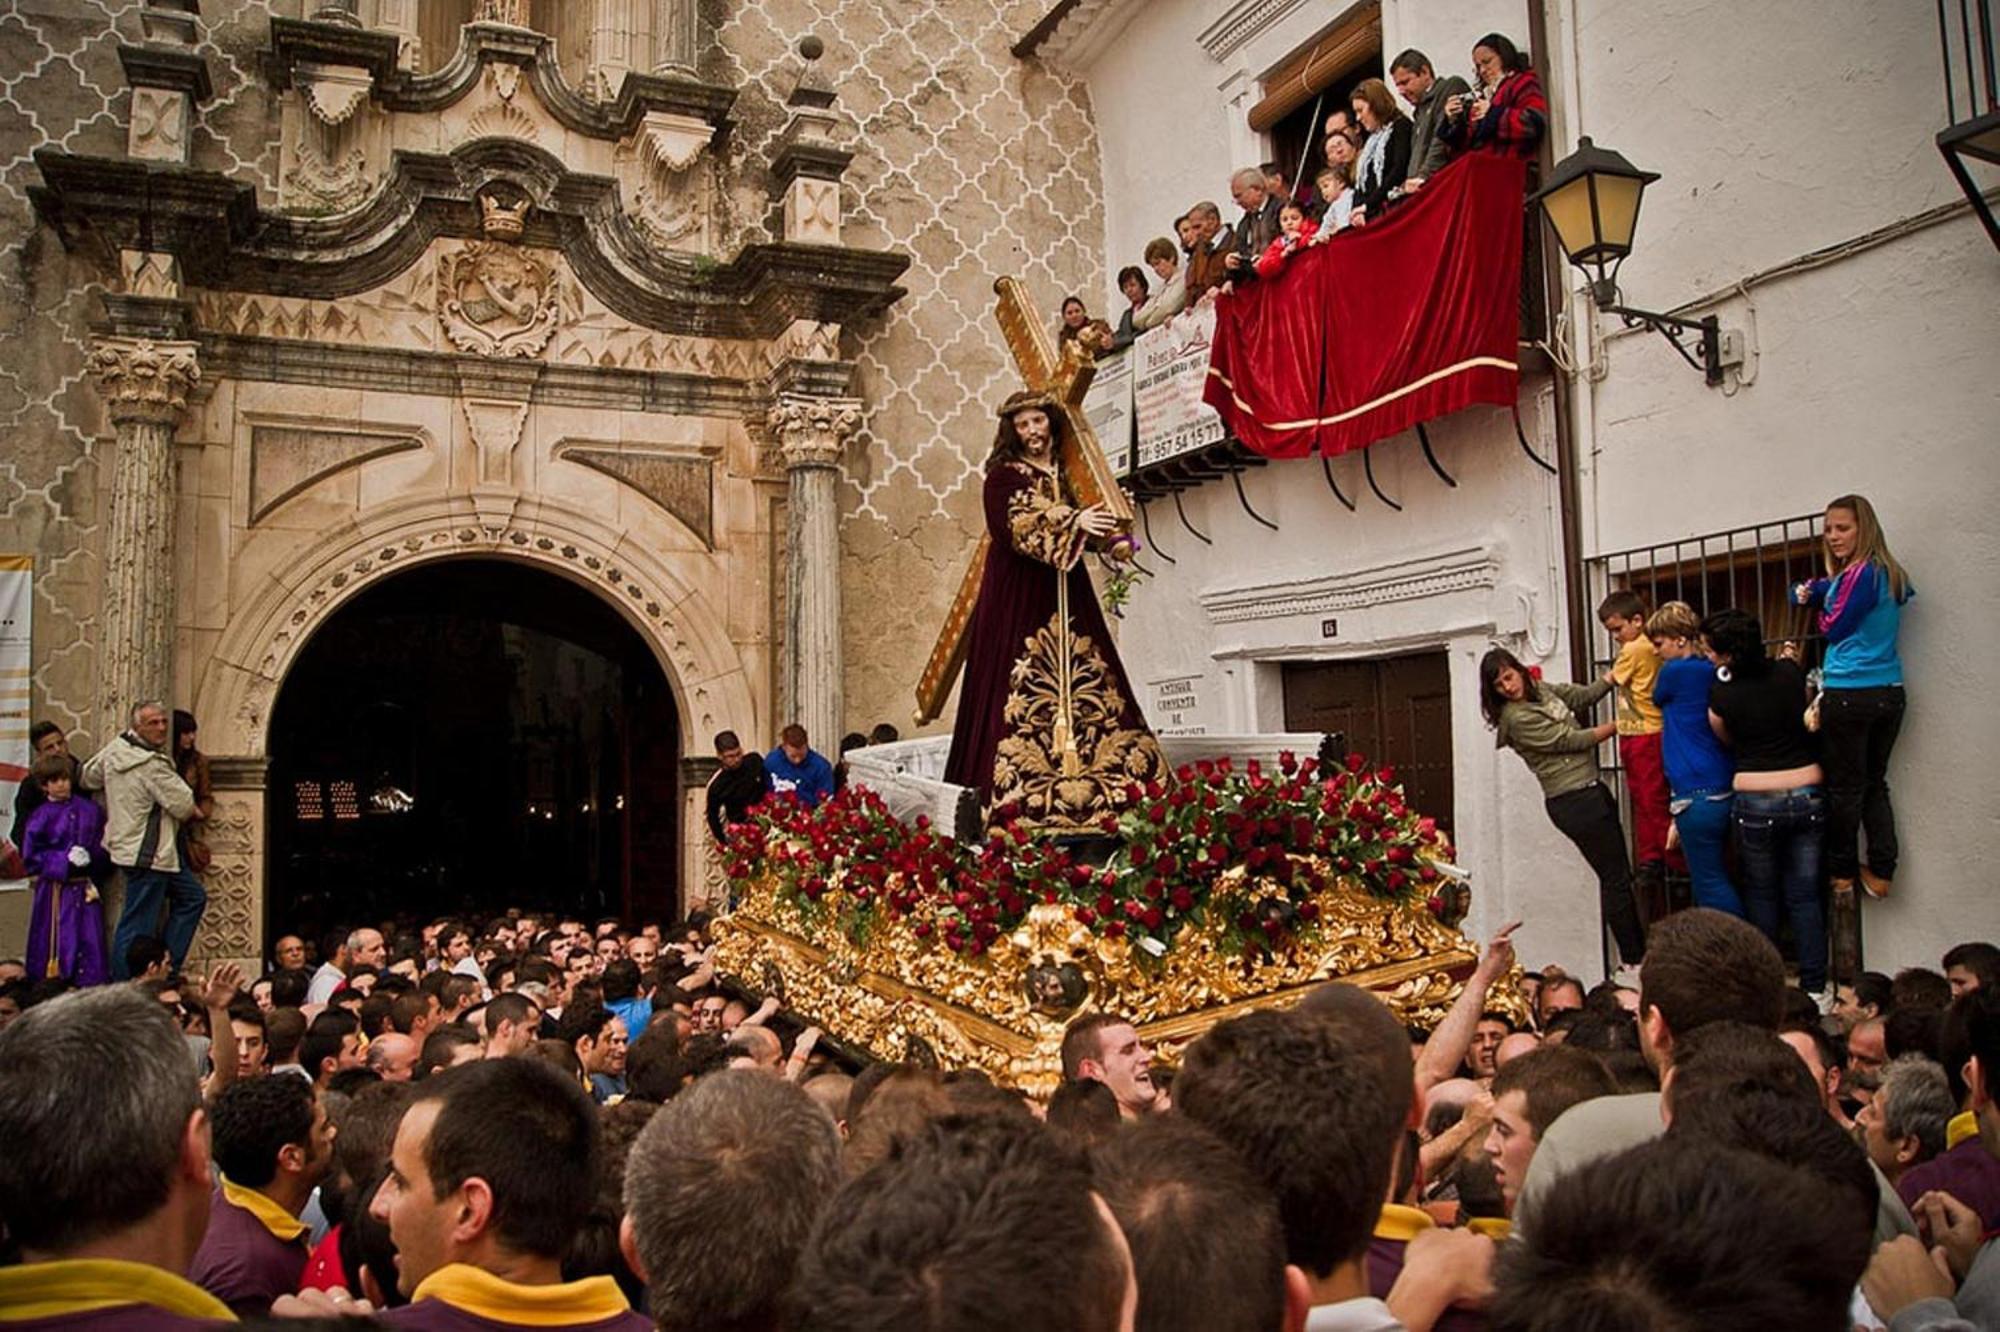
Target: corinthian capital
pixel 143 380
pixel 813 431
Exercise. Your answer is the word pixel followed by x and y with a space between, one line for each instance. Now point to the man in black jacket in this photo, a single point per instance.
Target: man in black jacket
pixel 48 741
pixel 740 784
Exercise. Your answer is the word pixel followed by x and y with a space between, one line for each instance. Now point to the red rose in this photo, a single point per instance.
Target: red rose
pixel 1183 900
pixel 1133 908
pixel 1356 762
pixel 922 929
pixel 1152 918
pixel 1085 916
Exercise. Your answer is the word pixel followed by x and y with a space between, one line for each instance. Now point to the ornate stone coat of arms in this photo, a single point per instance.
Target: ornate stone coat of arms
pixel 498 300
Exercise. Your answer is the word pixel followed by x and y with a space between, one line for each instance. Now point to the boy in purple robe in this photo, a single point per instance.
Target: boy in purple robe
pixel 62 845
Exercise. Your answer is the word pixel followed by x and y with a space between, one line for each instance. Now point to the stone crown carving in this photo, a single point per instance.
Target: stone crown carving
pixel 812 432
pixel 501 221
pixel 143 380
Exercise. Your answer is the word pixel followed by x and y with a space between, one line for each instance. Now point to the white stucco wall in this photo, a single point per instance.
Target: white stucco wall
pixel 1869 372
pixel 1873 372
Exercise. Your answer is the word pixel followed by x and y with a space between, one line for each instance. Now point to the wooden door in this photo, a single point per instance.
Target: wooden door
pixel 1394 710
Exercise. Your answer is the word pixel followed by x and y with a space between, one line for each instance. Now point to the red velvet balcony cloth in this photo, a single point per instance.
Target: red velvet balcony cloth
pixel 1404 320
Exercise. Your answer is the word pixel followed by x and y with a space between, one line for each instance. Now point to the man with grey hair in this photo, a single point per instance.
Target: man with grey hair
pixel 1206 257
pixel 1903 1124
pixel 104 1176
pixel 739 1154
pixel 361 948
pixel 1259 226
pixel 145 803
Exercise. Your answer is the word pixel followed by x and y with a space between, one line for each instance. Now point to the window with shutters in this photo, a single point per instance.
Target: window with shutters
pixel 1307 87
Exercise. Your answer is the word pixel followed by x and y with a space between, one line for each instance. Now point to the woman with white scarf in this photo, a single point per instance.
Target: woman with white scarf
pixel 1385 156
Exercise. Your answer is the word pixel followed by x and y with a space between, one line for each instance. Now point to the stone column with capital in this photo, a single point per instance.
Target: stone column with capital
pixel 812 432
pixel 145 387
pixel 677 37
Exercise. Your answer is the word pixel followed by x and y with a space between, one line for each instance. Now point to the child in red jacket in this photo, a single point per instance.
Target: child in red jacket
pixel 1294 230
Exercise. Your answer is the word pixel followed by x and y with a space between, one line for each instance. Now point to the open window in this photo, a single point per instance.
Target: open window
pixel 1318 78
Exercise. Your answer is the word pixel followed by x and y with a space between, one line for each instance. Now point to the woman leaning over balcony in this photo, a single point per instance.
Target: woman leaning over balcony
pixel 1860 604
pixel 1508 114
pixel 1385 156
pixel 1535 719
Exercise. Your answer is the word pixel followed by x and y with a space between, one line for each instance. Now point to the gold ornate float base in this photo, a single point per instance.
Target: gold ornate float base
pixel 891 989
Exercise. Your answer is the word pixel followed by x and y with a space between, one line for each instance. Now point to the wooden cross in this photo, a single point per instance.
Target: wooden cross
pixel 1066 378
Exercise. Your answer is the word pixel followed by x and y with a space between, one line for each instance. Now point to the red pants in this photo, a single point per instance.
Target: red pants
pixel 1646 785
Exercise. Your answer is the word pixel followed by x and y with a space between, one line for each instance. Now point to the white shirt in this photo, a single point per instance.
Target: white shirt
pixel 1363 1315
pixel 324 982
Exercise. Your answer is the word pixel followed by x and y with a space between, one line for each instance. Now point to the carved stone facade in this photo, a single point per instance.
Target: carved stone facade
pixel 495 310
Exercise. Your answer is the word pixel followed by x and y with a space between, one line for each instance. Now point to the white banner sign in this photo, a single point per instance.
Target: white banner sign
pixel 1170 368
pixel 17 574
pixel 1108 404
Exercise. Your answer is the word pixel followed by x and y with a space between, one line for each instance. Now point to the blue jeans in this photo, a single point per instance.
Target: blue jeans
pixel 1702 818
pixel 1779 845
pixel 186 899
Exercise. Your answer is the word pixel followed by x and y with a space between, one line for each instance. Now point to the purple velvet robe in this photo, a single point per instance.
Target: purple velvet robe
pixel 66 927
pixel 1009 740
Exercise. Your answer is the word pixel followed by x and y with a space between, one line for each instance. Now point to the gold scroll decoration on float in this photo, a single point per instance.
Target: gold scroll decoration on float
pixel 900 997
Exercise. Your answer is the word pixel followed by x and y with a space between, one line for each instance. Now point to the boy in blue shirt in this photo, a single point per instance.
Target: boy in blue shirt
pixel 1701 774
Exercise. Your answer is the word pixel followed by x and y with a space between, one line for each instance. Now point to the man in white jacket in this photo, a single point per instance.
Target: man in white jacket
pixel 145 803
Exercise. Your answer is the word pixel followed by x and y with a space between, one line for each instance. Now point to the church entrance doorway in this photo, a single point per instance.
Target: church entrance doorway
pixel 467 736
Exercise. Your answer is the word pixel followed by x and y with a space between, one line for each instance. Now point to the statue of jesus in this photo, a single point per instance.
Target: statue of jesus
pixel 1049 731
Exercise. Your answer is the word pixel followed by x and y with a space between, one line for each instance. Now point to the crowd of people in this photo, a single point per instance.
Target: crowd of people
pixel 1373 157
pixel 540 1121
pixel 1762 780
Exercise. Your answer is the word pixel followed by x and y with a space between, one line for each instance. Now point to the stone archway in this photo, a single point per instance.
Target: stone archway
pixel 678 622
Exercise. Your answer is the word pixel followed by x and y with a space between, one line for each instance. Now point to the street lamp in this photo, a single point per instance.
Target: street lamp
pixel 1592 200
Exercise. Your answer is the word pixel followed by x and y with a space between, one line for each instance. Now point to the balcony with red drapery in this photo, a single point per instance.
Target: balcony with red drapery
pixel 1380 328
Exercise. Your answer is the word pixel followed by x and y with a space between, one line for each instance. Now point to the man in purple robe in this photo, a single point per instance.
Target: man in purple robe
pixel 1048 729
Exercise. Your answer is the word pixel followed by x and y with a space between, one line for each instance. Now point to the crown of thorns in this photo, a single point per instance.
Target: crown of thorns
pixel 1028 399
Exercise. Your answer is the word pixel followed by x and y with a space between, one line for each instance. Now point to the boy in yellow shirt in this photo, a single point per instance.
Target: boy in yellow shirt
pixel 1639 728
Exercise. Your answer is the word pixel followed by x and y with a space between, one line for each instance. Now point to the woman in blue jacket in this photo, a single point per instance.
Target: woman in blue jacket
pixel 1860 605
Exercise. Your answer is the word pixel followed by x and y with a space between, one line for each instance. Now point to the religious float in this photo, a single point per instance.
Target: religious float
pixel 1231 887
pixel 967 896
